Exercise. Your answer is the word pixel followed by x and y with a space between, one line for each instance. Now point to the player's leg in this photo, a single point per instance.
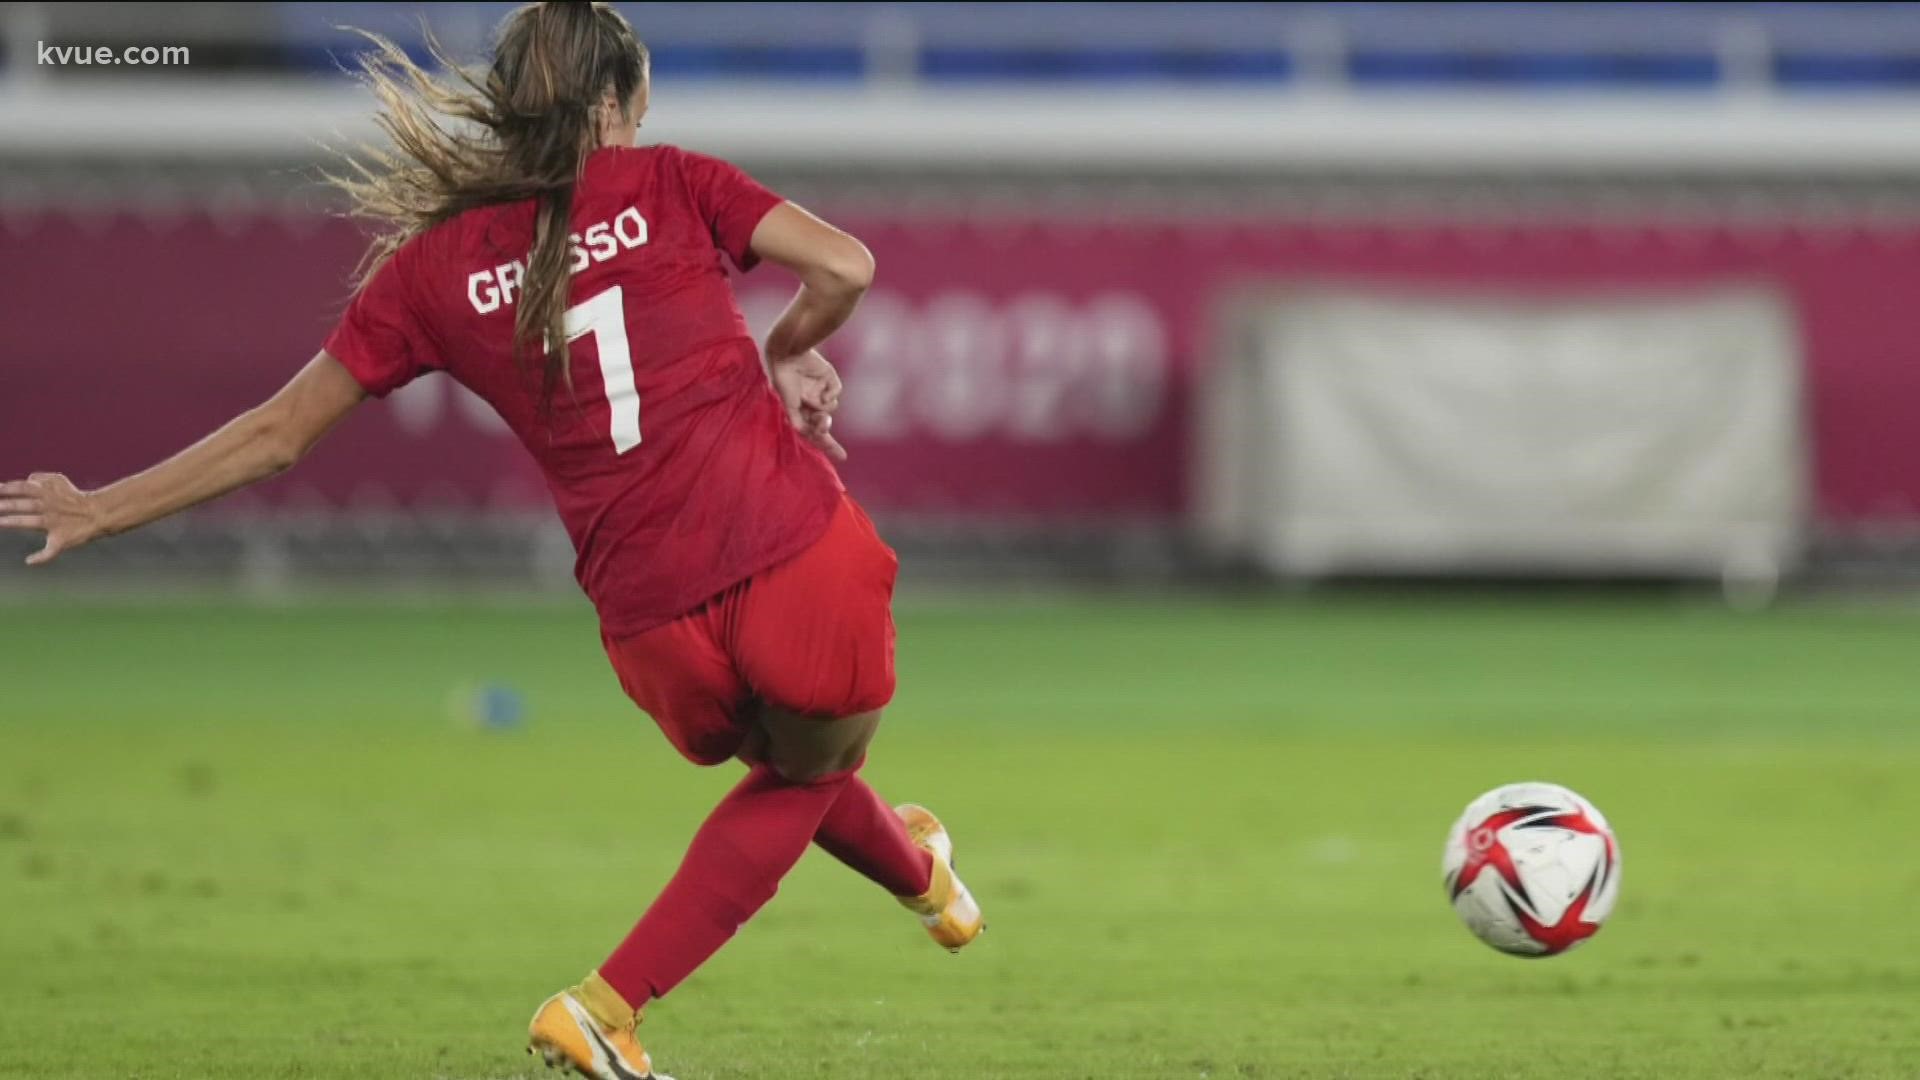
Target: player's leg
pixel 733 867
pixel 683 679
pixel 804 749
pixel 736 860
pixel 905 850
pixel 811 639
pixel 740 854
pixel 770 651
pixel 868 835
pixel 862 831
pixel 819 640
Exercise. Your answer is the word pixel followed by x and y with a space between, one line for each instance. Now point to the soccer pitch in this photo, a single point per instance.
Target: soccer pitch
pixel 256 842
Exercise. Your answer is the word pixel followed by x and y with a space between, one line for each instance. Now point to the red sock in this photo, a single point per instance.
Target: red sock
pixel 863 831
pixel 734 866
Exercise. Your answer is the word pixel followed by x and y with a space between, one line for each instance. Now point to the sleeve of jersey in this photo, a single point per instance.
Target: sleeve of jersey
pixel 381 340
pixel 732 203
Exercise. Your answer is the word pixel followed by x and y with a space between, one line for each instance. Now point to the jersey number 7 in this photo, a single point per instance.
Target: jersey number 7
pixel 605 317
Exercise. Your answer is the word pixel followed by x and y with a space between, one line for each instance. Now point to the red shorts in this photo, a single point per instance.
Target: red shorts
pixel 813 635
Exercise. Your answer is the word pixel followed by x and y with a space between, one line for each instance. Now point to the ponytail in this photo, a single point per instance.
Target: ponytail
pixel 531 122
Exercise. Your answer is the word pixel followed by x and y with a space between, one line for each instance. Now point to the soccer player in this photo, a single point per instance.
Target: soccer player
pixel 574 280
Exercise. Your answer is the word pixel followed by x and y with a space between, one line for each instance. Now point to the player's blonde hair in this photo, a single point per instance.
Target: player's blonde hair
pixel 521 130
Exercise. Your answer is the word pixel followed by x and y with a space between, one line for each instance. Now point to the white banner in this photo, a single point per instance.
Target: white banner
pixel 1356 430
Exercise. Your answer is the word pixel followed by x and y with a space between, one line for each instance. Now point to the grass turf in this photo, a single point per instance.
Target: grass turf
pixel 254 843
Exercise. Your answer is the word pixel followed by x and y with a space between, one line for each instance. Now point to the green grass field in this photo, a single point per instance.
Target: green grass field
pixel 255 843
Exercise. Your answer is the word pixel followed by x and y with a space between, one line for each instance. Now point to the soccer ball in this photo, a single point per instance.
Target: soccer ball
pixel 1532 869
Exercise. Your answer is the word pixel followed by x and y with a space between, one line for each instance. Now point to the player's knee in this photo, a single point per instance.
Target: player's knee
pixel 819 767
pixel 813 751
pixel 802 772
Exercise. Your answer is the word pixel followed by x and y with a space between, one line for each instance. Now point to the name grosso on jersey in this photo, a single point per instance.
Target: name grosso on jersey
pixel 488 290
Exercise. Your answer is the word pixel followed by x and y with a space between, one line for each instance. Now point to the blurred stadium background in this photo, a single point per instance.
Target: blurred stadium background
pixel 1303 289
pixel 1564 338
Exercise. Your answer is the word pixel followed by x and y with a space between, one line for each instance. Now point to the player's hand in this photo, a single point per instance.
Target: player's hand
pixel 810 389
pixel 49 503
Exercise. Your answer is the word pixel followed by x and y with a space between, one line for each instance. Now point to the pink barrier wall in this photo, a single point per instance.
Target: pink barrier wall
pixel 1018 367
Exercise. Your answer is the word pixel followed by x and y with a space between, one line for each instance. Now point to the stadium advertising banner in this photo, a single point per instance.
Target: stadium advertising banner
pixel 1008 368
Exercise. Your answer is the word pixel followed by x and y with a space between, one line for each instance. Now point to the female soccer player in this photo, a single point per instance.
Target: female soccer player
pixel 574 281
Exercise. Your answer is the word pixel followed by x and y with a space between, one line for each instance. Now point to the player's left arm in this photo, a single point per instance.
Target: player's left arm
pixel 260 443
pixel 835 271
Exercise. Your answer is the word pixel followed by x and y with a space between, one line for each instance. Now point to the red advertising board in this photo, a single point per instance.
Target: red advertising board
pixel 1016 366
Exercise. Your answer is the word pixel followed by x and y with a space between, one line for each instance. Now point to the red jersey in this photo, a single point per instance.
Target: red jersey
pixel 671 460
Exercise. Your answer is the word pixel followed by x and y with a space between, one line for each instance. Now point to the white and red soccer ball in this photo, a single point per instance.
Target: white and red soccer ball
pixel 1532 869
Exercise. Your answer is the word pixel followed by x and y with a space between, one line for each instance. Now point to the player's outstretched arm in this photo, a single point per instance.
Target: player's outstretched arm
pixel 262 442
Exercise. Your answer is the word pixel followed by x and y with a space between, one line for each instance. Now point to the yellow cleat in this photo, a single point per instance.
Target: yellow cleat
pixel 947 910
pixel 565 1034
